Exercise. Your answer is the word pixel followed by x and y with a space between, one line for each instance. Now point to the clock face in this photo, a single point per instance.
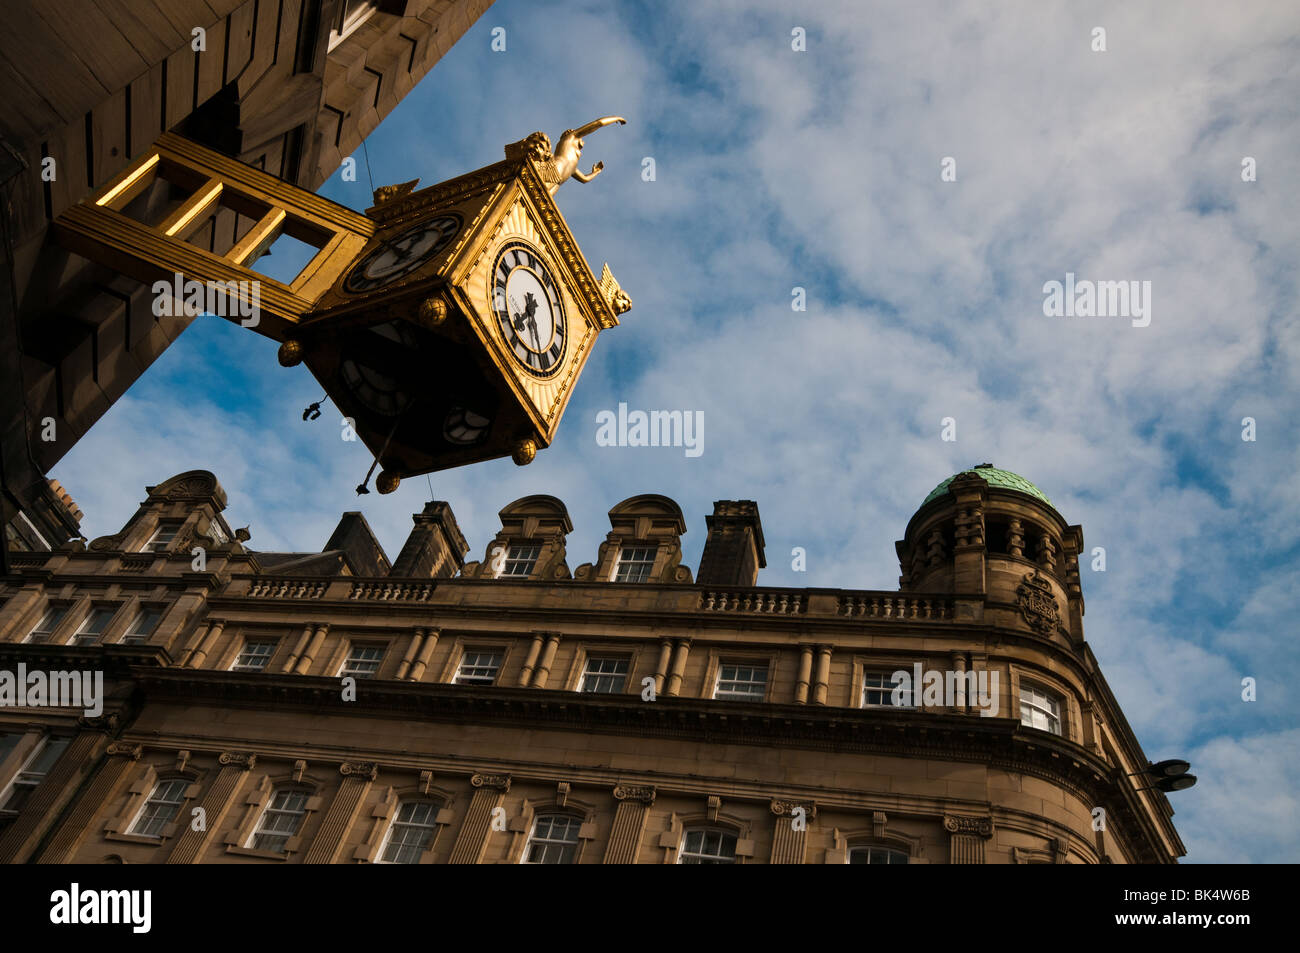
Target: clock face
pixel 402 254
pixel 529 310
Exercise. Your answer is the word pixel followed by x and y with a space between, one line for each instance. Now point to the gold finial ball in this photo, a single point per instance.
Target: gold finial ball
pixel 387 482
pixel 290 353
pixel 524 452
pixel 433 311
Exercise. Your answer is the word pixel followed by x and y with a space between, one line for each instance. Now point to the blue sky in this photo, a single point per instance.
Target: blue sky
pixel 821 169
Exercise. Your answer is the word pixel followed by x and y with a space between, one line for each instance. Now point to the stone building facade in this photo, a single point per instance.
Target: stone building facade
pixel 331 707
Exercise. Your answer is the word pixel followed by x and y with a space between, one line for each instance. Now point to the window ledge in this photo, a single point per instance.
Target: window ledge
pixel 135 838
pixel 251 852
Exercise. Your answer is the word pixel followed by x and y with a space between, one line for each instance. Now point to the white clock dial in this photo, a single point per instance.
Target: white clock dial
pixel 529 309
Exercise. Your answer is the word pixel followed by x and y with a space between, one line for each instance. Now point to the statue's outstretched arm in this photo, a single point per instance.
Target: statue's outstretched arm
pixel 588 176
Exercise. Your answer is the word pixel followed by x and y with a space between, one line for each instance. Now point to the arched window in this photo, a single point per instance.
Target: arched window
pixel 707 845
pixel 411 832
pixel 554 840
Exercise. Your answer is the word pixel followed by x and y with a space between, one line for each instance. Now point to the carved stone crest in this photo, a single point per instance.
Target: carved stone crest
pixel 980 826
pixel 363 769
pixel 245 761
pixel 499 781
pixel 1038 604
pixel 635 792
pixel 786 808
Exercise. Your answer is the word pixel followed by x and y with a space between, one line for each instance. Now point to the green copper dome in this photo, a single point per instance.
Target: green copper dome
pixel 995 477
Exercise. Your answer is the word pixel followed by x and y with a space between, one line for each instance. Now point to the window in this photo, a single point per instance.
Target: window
pixel 90 630
pixel 33 773
pixel 1040 708
pixel 478 668
pixel 162 536
pixel 161 808
pixel 703 846
pixel 606 676
pixel 521 559
pixel 876 855
pixel 280 821
pixel 7 744
pixel 744 682
pixel 145 622
pixel 362 661
pixel 411 833
pixel 45 628
pixel 878 691
pixel 254 656
pixel 554 840
pixel 634 564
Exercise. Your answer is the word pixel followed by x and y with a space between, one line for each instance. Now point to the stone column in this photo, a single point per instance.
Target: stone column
pixel 209 639
pixel 629 822
pixel 426 652
pixel 304 662
pixel 530 663
pixel 805 675
pixel 548 657
pixel 103 789
pixel 473 837
pixel 299 647
pixel 966 845
pixel 959 666
pixel 790 832
pixel 679 667
pixel 823 674
pixel 357 778
pixel 404 666
pixel 661 667
pixel 216 802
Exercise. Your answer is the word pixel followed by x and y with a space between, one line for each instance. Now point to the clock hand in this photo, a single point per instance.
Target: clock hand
pixel 518 320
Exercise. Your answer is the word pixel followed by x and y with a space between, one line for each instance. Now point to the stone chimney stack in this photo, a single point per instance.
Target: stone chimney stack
pixel 733 551
pixel 435 549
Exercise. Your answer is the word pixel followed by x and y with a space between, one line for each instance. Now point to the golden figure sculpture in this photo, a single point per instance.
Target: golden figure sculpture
pixel 569 150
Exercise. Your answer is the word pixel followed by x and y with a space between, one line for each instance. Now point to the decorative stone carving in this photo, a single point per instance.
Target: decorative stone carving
pixel 500 782
pixel 635 792
pixel 1037 603
pixel 934 551
pixel 979 826
pixel 244 761
pixel 106 723
pixel 299 769
pixel 1016 538
pixel 713 806
pixel 365 769
pixel 1047 552
pixel 782 808
pixel 125 749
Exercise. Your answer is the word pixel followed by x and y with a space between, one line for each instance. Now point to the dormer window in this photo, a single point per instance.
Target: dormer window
pixel 521 559
pixel 634 564
pixel 162 537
